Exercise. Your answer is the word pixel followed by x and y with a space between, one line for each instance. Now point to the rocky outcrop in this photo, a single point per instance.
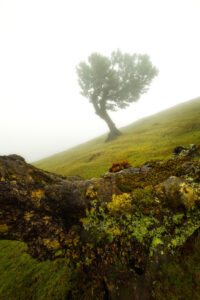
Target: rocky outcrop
pixel 115 229
pixel 191 151
pixel 39 207
pixel 177 193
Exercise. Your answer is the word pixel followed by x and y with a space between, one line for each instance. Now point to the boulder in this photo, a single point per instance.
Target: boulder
pixel 191 151
pixel 47 211
pixel 177 193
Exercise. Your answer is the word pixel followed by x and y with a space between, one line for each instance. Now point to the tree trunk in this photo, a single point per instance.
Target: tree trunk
pixel 114 132
pixel 102 113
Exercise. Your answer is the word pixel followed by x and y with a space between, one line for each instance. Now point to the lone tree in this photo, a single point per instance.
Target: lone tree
pixel 114 82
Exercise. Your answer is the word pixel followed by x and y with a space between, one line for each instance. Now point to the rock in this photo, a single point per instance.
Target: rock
pixel 177 193
pixel 40 207
pixel 145 169
pixel 47 212
pixel 178 150
pixel 189 167
pixel 74 178
pixel 131 170
pixel 191 151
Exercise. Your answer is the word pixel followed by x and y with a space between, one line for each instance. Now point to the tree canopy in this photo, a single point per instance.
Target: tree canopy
pixel 114 82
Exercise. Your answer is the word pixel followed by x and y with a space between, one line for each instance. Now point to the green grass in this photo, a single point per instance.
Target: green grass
pixel 153 137
pixel 22 277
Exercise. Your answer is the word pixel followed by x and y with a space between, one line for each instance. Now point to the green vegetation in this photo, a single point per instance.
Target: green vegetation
pixel 151 138
pixel 23 277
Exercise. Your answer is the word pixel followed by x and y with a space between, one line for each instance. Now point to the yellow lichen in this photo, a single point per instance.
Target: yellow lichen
pixel 91 193
pixel 188 195
pixel 52 244
pixel 28 215
pixel 62 237
pixel 84 221
pixel 36 196
pixel 46 219
pixel 3 228
pixel 120 204
pixel 114 231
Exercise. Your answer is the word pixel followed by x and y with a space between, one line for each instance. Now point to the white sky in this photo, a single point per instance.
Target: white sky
pixel 42 41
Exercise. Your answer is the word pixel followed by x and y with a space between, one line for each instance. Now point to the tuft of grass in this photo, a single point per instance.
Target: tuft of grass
pixel 149 138
pixel 22 277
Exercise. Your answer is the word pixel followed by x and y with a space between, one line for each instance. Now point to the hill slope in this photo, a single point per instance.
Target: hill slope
pixel 149 138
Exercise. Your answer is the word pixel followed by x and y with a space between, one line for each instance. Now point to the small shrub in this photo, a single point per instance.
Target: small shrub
pixel 120 165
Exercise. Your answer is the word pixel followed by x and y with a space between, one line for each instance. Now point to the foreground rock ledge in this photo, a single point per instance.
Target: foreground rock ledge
pixel 41 208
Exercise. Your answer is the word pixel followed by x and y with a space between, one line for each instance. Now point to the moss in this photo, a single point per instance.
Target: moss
pixel 124 187
pixel 39 178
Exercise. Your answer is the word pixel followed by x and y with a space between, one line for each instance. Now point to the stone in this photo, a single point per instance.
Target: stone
pixel 191 151
pixel 177 193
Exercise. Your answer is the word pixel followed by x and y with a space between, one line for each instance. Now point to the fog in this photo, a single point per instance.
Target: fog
pixel 42 42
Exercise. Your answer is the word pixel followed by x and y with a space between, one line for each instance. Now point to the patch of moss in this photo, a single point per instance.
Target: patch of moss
pixel 159 172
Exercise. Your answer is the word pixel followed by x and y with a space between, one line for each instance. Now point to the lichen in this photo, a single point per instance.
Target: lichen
pixel 52 244
pixel 120 204
pixel 91 192
pixel 3 228
pixel 28 215
pixel 36 196
pixel 188 195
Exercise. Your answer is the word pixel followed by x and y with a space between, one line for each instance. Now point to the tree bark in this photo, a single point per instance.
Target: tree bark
pixel 102 113
pixel 114 132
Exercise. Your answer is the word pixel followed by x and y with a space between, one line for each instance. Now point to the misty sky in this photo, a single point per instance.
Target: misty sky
pixel 41 43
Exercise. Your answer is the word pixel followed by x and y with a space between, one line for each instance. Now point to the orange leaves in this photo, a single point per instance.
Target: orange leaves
pixel 120 165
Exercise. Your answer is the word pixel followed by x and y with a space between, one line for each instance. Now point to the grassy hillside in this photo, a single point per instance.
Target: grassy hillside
pixel 149 138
